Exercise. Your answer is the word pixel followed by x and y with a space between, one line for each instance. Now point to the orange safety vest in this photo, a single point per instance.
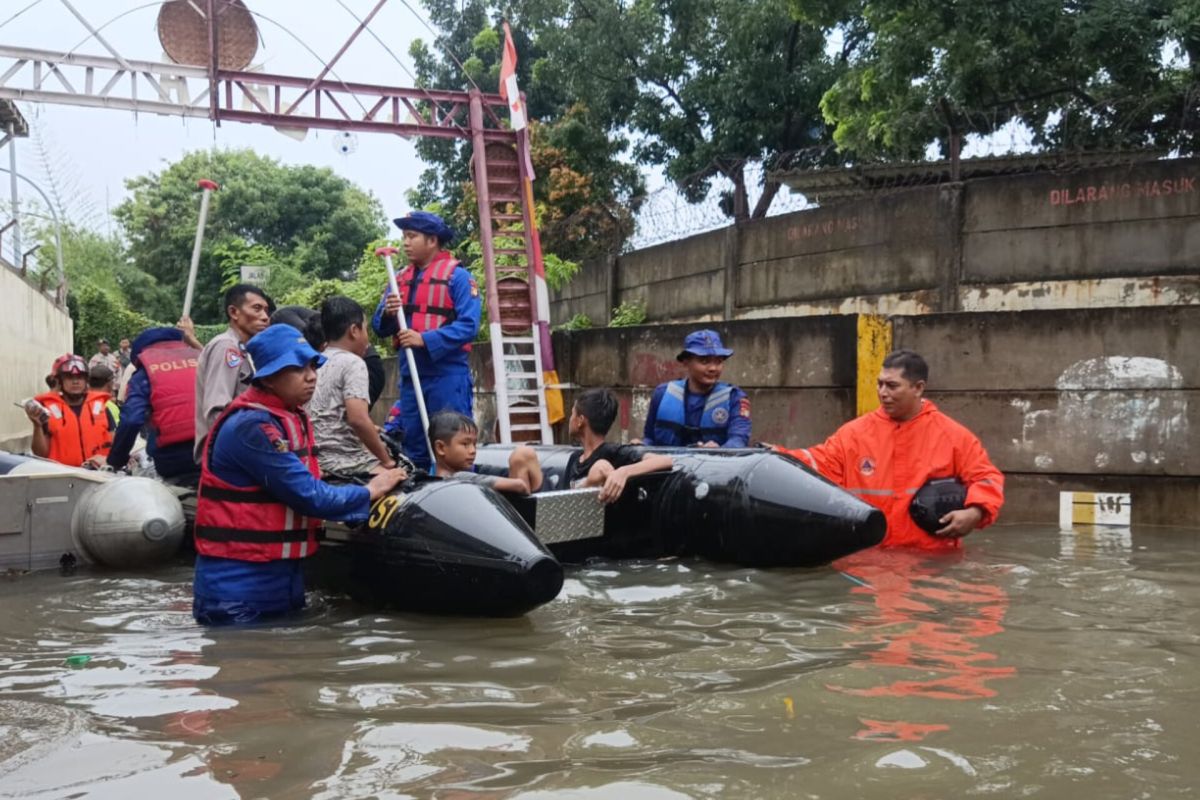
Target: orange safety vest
pixel 432 306
pixel 885 463
pixel 74 438
pixel 246 522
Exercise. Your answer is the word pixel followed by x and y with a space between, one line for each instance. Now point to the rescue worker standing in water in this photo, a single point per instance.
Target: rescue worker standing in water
pixel 442 310
pixel 888 455
pixel 261 499
pixel 699 410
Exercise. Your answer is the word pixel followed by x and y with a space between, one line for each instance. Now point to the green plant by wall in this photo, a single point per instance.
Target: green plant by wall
pixel 578 322
pixel 627 314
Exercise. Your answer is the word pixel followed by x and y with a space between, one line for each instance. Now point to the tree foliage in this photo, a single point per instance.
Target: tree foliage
pixel 700 88
pixel 705 86
pixel 1102 74
pixel 307 218
pixel 586 191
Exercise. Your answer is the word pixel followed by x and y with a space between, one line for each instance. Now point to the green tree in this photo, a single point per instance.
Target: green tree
pixel 1103 74
pixel 585 192
pixel 308 217
pixel 707 87
pixel 91 258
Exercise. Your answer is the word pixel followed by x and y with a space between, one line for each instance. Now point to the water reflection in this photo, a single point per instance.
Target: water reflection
pixel 1034 665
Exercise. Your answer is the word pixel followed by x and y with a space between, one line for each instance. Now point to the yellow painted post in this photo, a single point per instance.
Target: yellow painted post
pixel 874 343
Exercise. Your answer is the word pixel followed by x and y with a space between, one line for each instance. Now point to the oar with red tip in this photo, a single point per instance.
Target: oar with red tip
pixel 386 254
pixel 207 187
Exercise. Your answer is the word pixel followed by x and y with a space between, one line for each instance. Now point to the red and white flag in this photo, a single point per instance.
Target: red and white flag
pixel 508 81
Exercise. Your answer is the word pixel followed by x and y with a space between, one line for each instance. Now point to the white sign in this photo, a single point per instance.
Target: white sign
pixel 256 275
pixel 1093 508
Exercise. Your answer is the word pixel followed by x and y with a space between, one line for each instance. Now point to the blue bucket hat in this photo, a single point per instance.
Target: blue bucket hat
pixel 703 343
pixel 426 222
pixel 279 347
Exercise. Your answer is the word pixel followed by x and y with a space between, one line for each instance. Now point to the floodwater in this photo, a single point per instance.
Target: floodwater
pixel 1040 664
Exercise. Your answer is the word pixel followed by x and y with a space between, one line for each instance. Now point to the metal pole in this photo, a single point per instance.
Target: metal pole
pixel 62 273
pixel 207 188
pixel 12 171
pixel 386 253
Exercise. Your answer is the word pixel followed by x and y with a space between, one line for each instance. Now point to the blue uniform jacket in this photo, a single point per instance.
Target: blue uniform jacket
pixel 244 456
pixel 736 435
pixel 443 352
pixel 175 459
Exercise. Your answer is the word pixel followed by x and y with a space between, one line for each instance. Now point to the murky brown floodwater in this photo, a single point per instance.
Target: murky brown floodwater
pixel 1041 664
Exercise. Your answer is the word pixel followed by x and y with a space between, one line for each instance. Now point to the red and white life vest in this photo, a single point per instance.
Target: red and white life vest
pixel 171 369
pixel 431 306
pixel 247 523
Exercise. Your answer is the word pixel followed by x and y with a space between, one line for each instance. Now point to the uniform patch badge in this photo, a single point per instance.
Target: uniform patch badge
pixel 233 357
pixel 866 466
pixel 744 407
pixel 474 288
pixel 720 415
pixel 274 437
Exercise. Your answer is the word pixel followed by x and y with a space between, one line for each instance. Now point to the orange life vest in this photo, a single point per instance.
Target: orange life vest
pixel 246 522
pixel 74 438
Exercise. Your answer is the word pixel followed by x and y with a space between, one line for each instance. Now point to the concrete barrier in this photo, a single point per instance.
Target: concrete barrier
pixel 35 331
pixel 1104 236
pixel 1088 399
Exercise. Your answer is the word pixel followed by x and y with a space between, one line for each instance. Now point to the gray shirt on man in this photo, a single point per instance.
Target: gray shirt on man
pixel 223 372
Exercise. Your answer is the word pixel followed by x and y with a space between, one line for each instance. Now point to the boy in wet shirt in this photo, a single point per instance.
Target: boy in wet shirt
pixel 602 463
pixel 454 437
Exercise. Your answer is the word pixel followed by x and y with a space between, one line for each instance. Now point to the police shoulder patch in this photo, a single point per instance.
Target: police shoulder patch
pixel 274 437
pixel 233 357
pixel 744 407
pixel 474 288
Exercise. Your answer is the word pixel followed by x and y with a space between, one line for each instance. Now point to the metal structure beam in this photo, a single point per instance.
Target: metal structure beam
pixel 285 101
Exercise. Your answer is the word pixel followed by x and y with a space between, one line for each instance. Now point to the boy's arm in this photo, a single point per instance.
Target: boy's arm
pixel 512 485
pixel 359 420
pixel 614 484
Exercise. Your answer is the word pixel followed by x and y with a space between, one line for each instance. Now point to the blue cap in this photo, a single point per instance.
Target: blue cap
pixel 426 222
pixel 279 347
pixel 703 343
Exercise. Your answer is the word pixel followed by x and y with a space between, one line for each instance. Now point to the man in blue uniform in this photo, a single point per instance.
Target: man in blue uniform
pixel 699 410
pixel 442 309
pixel 261 499
pixel 161 401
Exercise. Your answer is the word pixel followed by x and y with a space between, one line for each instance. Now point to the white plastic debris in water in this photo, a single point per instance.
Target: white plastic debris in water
pixel 904 759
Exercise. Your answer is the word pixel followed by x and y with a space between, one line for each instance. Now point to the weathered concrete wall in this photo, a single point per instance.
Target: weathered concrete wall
pixel 1096 399
pixel 1092 238
pixel 27 359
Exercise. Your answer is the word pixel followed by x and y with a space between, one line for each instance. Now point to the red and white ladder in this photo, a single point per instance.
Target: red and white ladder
pixel 517 304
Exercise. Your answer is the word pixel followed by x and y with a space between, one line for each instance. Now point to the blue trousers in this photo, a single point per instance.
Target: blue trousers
pixel 227 591
pixel 448 392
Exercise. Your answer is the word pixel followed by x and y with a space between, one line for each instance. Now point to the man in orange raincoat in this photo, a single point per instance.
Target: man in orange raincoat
pixel 886 457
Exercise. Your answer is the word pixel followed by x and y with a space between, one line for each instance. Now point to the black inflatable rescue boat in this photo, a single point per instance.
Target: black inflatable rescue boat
pixel 443 547
pixel 752 506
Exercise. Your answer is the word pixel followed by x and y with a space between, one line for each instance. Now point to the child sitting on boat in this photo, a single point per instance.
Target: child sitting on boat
pixel 602 463
pixel 454 437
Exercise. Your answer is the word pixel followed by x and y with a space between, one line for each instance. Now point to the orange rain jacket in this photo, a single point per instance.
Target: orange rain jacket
pixel 885 462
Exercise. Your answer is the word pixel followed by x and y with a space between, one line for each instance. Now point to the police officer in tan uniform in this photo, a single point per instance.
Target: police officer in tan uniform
pixel 224 371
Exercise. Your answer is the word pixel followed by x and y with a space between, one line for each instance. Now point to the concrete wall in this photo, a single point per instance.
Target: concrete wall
pixel 1096 399
pixel 27 357
pixel 1098 237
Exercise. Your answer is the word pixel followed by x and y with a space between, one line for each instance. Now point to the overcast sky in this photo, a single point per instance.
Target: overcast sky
pixel 101 148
